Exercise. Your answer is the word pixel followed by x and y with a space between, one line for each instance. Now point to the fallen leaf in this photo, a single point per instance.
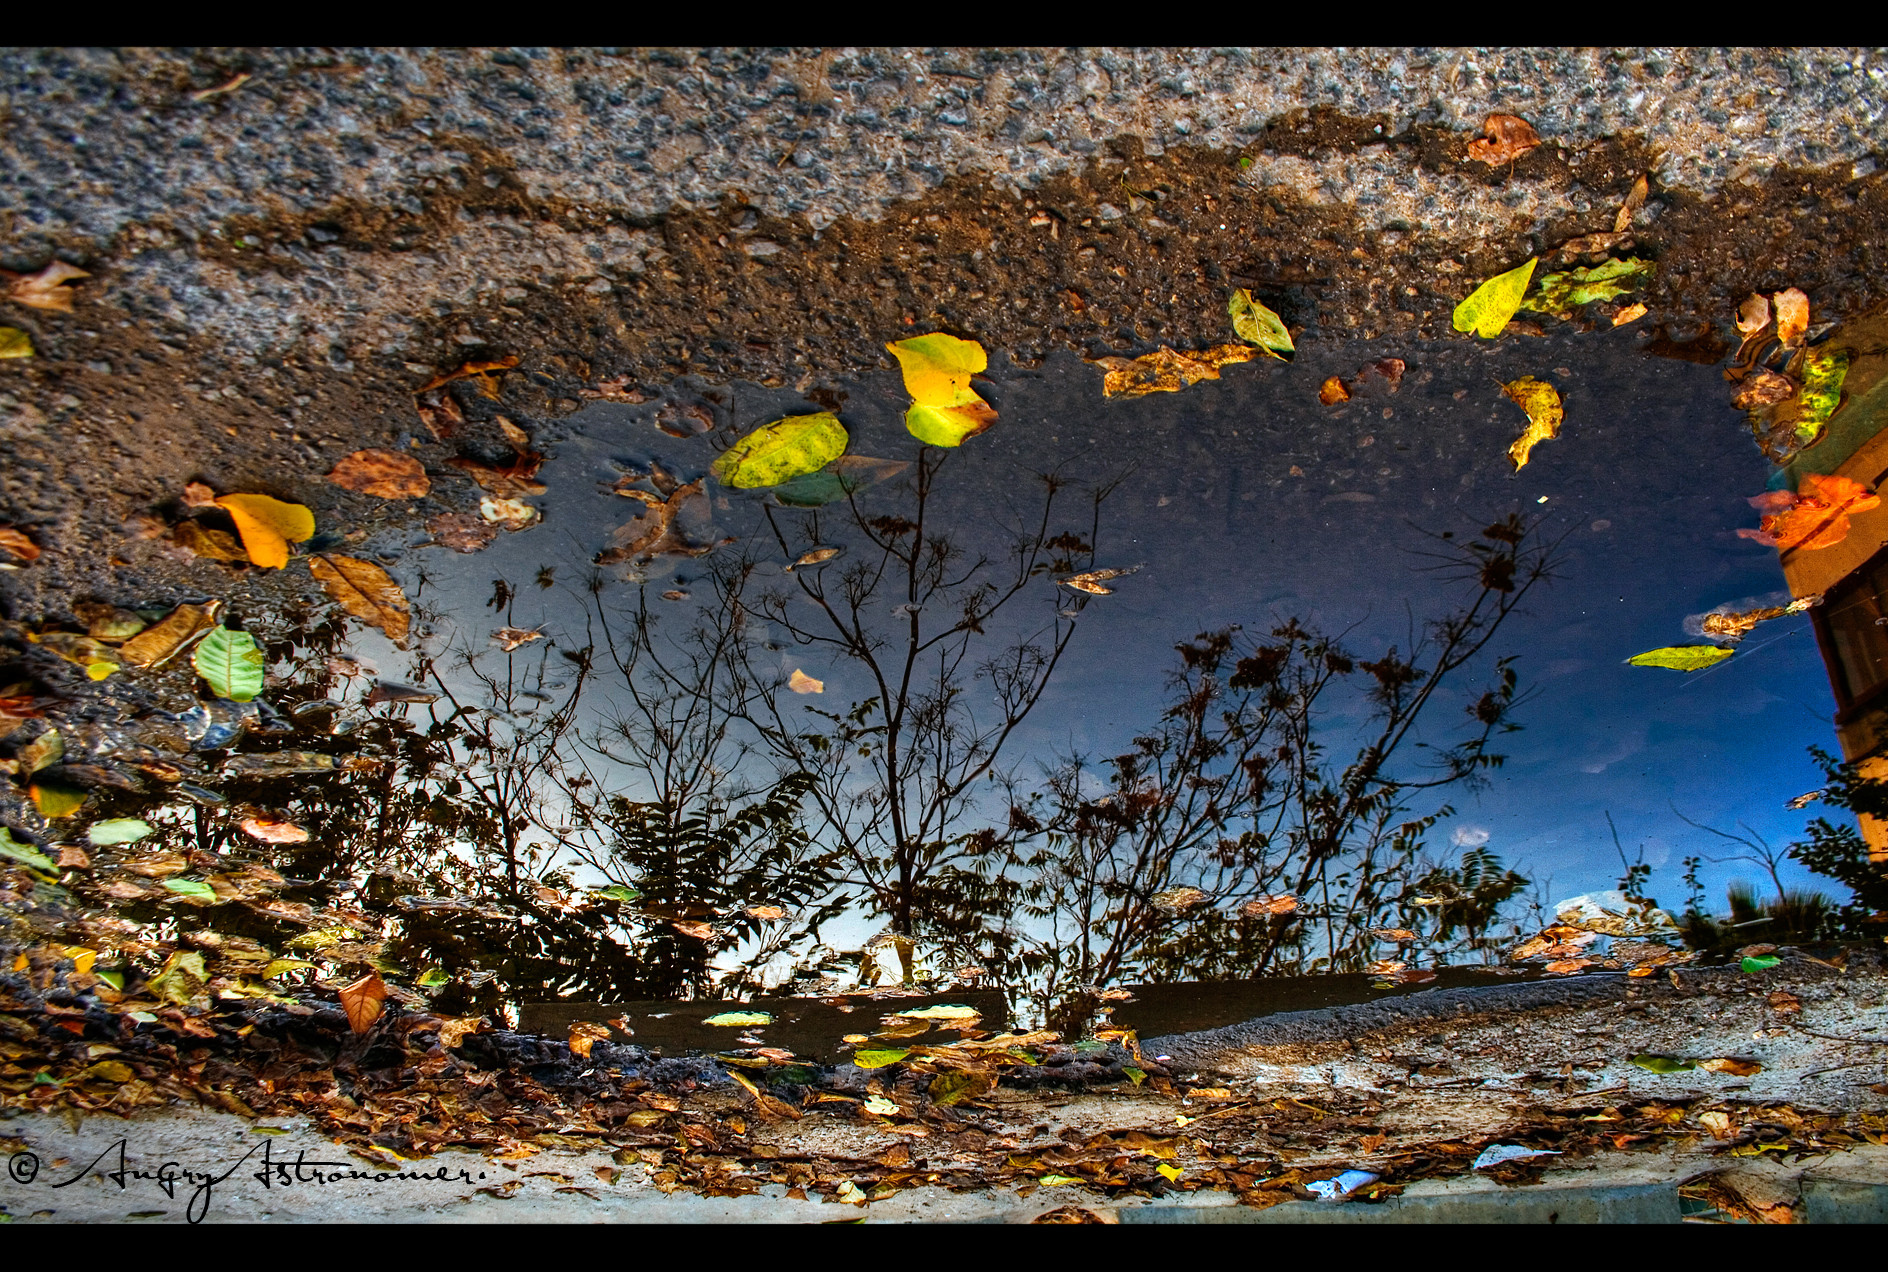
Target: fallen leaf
pixel 1732 1067
pixel 1256 324
pixel 510 638
pixel 13 850
pixel 192 889
pixel 1631 313
pixel 98 659
pixel 959 1085
pixel 765 913
pixel 271 831
pixel 366 591
pixel 1662 1064
pixel 363 1000
pixel 1783 1002
pixel 800 682
pixel 1561 293
pixel 454 1030
pixel 685 419
pixel 1635 199
pixel 480 373
pixel 658 530
pixel 108 622
pixel 816 556
pixel 690 928
pixel 1385 967
pixel 1758 963
pixel 182 978
pixel 1824 371
pixel 937 368
pixel 512 514
pixel 843 477
pixel 15 343
pixel 461 531
pixel 1166 370
pixel 1489 307
pixel 231 663
pixel 1817 516
pixel 1332 391
pixel 1496 1154
pixel 384 474
pixel 879 1059
pixel 504 481
pixel 1541 401
pixel 515 437
pixel 207 542
pixel 268 526
pixel 17 544
pixel 1753 316
pixel 1718 1122
pixel 739 1019
pixel 1504 139
pixel 439 413
pixel 942 1011
pixel 1092 581
pixel 1765 388
pixel 1733 626
pixel 1178 899
pixel 778 452
pixel 1170 1172
pixel 585 1034
pixel 1390 369
pixel 1568 966
pixel 1392 934
pixel 1681 657
pixel 118 830
pixel 1261 906
pixel 47 289
pixel 393 691
pixel 1792 317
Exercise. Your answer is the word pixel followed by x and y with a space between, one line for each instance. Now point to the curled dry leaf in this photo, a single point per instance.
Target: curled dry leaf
pixel 1385 967
pixel 48 289
pixel 453 1030
pixel 1332 391
pixel 1635 199
pixel 1753 316
pixel 1167 370
pixel 439 413
pixel 691 419
pixel 1504 139
pixel 383 474
pixel 511 514
pixel 363 1001
pixel 15 543
pixel 1733 625
pixel 800 682
pixel 1261 906
pixel 271 831
pixel 1631 313
pixel 480 373
pixel 1765 388
pixel 585 1034
pixel 461 531
pixel 657 531
pixel 1783 1002
pixel 366 591
pixel 1544 414
pixel 815 556
pixel 1792 317
pixel 159 644
pixel 690 928
pixel 510 638
pixel 1568 966
pixel 508 481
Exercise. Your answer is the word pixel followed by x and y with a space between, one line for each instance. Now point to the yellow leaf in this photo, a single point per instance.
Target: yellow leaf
pixel 1255 323
pixel 1542 404
pixel 937 370
pixel 1171 1172
pixel 780 451
pixel 800 682
pixel 1168 370
pixel 365 591
pixel 268 526
pixel 1489 306
pixel 15 343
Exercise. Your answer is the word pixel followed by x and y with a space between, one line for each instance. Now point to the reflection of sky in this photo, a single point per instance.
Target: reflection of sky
pixel 1647 482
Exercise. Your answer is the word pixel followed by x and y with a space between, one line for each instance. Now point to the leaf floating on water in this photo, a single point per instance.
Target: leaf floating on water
pixel 15 343
pixel 937 368
pixel 781 451
pixel 118 830
pixel 1765 388
pixel 942 1011
pixel 271 831
pixel 844 476
pixel 1166 370
pixel 516 480
pixel 510 638
pixel 1816 516
pixel 363 1001
pixel 1681 657
pixel 800 682
pixel 393 691
pixel 47 289
pixel 366 591
pixel 1256 324
pixel 690 928
pixel 384 474
pixel 1392 934
pixel 878 1059
pixel 816 556
pixel 231 663
pixel 156 646
pixel 191 889
pixel 1732 626
pixel 1504 139
pixel 1265 905
pixel 13 850
pixel 1179 899
pixel 658 530
pixel 1541 401
pixel 1824 370
pixel 1332 391
pixel 1092 581
pixel 732 1019
pixel 1490 306
pixel 268 526
pixel 1560 294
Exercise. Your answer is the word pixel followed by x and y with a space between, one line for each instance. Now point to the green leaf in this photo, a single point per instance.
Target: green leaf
pixel 192 888
pixel 15 343
pixel 1255 324
pixel 781 451
pixel 118 830
pixel 56 799
pixel 1824 370
pixel 1760 963
pixel 948 425
pixel 879 1059
pixel 1136 1076
pixel 1662 1064
pixel 1562 293
pixel 281 965
pixel 1681 657
pixel 1056 1181
pixel 433 978
pixel 618 892
pixel 731 1019
pixel 844 476
pixel 230 663
pixel 25 854
pixel 1489 306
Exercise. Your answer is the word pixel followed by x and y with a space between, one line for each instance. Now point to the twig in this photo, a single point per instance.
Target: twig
pixel 1878 1042
pixel 1853 1064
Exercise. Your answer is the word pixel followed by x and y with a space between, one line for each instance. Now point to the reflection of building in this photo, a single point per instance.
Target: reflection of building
pixel 1852 622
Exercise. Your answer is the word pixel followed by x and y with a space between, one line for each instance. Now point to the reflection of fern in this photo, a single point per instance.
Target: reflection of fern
pixel 1472 897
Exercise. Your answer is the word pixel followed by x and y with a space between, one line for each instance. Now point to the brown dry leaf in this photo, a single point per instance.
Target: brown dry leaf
pixel 1555 941
pixel 384 474
pixel 1631 313
pixel 655 533
pixel 766 913
pixel 1792 317
pixel 685 420
pixel 585 1034
pixel 513 481
pixel 515 437
pixel 1261 906
pixel 1568 966
pixel 439 413
pixel 17 544
pixel 74 856
pixel 1385 967
pixel 1718 1122
pixel 271 831
pixel 47 289
pixel 170 636
pixel 211 544
pixel 687 927
pixel 461 531
pixel 363 1000
pixel 198 495
pixel 510 638
pixel 1753 316
pixel 1635 199
pixel 365 591
pixel 1733 1067
pixel 1784 1003
pixel 1504 139
pixel 1168 371
pixel 1371 1143
pixel 453 1030
pixel 1332 391
pixel 1817 516
pixel 480 373
pixel 1392 934
pixel 1765 388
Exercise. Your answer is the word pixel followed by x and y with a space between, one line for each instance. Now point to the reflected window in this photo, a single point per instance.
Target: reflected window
pixel 1854 623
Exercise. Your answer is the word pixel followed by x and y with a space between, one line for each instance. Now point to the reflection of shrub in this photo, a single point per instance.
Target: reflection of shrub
pixel 1839 853
pixel 1796 914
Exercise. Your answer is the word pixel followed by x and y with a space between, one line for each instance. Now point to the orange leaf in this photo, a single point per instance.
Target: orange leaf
pixel 478 372
pixel 268 526
pixel 1332 391
pixel 384 474
pixel 363 1000
pixel 48 289
pixel 1504 139
pixel 271 831
pixel 18 544
pixel 1819 516
pixel 585 1034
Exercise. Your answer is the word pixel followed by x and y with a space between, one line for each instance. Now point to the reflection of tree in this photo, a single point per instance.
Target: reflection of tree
pixel 1233 792
pixel 893 777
